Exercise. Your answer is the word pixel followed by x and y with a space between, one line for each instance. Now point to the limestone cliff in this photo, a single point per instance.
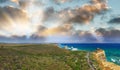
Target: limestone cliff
pixel 99 55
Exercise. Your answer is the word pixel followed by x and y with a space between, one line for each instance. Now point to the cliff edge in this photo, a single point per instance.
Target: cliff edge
pixel 100 56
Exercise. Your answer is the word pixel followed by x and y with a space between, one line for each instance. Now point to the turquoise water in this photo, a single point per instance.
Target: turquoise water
pixel 112 50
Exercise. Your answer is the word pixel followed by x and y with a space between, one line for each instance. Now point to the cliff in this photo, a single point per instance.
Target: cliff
pixel 99 55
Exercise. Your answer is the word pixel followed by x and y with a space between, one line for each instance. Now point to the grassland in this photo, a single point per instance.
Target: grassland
pixel 42 57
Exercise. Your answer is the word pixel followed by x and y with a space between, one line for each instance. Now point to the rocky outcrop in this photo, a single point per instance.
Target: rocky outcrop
pixel 99 55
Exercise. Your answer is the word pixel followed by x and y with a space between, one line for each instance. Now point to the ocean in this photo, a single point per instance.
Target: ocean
pixel 112 50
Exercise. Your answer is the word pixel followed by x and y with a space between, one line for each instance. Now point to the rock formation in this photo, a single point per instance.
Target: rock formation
pixel 99 55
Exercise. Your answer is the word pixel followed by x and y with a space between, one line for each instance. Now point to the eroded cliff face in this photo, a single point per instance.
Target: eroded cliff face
pixel 99 55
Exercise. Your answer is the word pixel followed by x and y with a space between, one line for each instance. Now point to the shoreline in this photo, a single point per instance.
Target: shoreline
pixel 109 58
pixel 100 56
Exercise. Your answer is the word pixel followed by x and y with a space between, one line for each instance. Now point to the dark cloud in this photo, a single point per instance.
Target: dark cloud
pixel 109 35
pixel 3 17
pixel 11 14
pixel 49 14
pixel 2 1
pixel 22 39
pixel 87 12
pixel 15 13
pixel 31 38
pixel 26 3
pixel 23 3
pixel 83 14
pixel 86 37
pixel 115 20
pixel 40 29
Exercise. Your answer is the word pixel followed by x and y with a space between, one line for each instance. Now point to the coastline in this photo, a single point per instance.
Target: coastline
pixel 100 56
pixel 111 50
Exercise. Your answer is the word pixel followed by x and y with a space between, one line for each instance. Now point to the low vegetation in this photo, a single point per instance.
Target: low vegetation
pixel 42 57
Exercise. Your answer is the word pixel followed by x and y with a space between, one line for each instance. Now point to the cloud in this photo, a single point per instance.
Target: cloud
pixel 11 3
pixel 65 36
pixel 31 22
pixel 115 20
pixel 2 1
pixel 87 12
pixel 83 14
pixel 85 37
pixel 14 21
pixel 110 35
pixel 23 4
pixel 49 13
pixel 26 3
pixel 20 20
pixel 15 13
pixel 22 39
pixel 61 1
pixel 9 15
pixel 62 30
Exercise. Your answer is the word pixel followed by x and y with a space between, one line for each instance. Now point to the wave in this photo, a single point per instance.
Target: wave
pixel 115 60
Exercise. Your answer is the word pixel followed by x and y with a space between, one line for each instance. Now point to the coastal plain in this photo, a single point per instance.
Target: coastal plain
pixel 49 57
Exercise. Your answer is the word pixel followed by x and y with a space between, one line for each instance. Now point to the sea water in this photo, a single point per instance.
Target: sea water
pixel 112 51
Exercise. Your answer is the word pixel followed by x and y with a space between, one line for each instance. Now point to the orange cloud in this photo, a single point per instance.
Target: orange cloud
pixel 59 30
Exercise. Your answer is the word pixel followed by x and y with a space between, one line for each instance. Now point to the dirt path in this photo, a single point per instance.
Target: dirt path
pixel 89 61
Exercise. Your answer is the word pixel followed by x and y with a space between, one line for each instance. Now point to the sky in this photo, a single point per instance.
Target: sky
pixel 59 21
